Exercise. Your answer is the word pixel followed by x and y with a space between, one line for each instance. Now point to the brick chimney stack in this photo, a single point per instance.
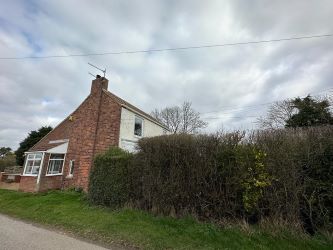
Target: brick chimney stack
pixel 99 84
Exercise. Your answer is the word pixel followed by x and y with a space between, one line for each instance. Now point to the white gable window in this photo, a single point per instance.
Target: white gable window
pixel 33 163
pixel 56 163
pixel 138 126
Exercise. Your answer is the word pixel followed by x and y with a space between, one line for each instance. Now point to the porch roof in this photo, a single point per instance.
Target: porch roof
pixel 58 147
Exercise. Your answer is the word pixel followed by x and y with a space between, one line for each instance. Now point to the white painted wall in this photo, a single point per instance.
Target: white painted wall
pixel 127 139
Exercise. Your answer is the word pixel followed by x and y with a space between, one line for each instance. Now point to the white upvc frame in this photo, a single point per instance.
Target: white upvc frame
pixel 142 126
pixel 71 169
pixel 40 169
pixel 62 167
pixel 26 162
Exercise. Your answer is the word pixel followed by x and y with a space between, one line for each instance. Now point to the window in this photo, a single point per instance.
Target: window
pixel 138 126
pixel 33 163
pixel 56 163
pixel 71 167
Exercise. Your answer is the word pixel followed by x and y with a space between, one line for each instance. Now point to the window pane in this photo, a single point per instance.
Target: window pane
pixel 37 163
pixel 38 156
pixel 50 167
pixel 57 156
pixel 28 170
pixel 30 164
pixel 31 156
pixel 35 170
pixel 57 167
pixel 138 126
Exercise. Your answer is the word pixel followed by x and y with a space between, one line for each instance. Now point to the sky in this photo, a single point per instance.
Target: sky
pixel 230 86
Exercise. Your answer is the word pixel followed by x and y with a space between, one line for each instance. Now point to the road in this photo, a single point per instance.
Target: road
pixel 15 234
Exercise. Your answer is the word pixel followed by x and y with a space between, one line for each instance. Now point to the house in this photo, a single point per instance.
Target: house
pixel 64 157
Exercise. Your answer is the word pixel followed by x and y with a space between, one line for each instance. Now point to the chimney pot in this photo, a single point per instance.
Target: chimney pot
pixel 98 76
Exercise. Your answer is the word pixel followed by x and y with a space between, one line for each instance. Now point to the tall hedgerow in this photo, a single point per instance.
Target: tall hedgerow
pixel 283 174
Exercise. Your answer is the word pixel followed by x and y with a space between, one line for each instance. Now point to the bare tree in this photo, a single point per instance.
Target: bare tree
pixel 170 117
pixel 180 119
pixel 277 115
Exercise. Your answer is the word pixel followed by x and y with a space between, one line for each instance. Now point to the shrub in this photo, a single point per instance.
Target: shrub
pixel 110 178
pixel 7 161
pixel 257 179
pixel 301 162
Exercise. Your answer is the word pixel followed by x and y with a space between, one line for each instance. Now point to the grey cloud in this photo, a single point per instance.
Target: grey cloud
pixel 42 92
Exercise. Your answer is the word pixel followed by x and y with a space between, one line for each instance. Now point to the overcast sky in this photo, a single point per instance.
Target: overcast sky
pixel 220 82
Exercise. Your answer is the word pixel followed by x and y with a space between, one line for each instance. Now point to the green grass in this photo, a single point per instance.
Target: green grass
pixel 69 211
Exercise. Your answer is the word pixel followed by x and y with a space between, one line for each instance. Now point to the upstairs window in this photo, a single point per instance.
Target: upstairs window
pixel 33 163
pixel 138 126
pixel 56 163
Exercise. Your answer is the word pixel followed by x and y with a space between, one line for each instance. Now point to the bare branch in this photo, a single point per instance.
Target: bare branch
pixel 277 115
pixel 183 119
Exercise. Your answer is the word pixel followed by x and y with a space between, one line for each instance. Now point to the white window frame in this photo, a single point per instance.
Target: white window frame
pixel 71 168
pixel 62 167
pixel 26 163
pixel 142 126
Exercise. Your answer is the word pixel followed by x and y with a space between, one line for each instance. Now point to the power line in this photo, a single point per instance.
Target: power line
pixel 230 117
pixel 245 108
pixel 228 109
pixel 169 49
pixel 235 109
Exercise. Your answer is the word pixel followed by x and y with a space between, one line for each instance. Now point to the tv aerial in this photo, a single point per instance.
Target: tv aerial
pixel 102 70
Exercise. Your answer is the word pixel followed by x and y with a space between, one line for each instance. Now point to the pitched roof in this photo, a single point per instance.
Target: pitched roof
pixel 131 107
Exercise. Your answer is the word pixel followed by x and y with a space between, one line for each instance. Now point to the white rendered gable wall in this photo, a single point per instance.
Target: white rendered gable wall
pixel 127 139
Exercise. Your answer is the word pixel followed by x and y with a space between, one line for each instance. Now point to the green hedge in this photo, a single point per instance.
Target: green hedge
pixel 280 175
pixel 110 178
pixel 208 176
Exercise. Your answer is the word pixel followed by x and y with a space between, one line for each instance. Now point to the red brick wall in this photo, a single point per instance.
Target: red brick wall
pixel 109 124
pixel 49 182
pixel 28 184
pixel 92 140
pixel 92 128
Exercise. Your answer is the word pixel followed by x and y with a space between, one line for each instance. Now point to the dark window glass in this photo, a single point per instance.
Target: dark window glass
pixel 138 126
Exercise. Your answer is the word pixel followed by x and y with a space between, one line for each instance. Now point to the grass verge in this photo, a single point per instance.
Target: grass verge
pixel 69 211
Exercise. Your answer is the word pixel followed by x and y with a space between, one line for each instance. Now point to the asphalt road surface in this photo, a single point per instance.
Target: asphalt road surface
pixel 15 234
